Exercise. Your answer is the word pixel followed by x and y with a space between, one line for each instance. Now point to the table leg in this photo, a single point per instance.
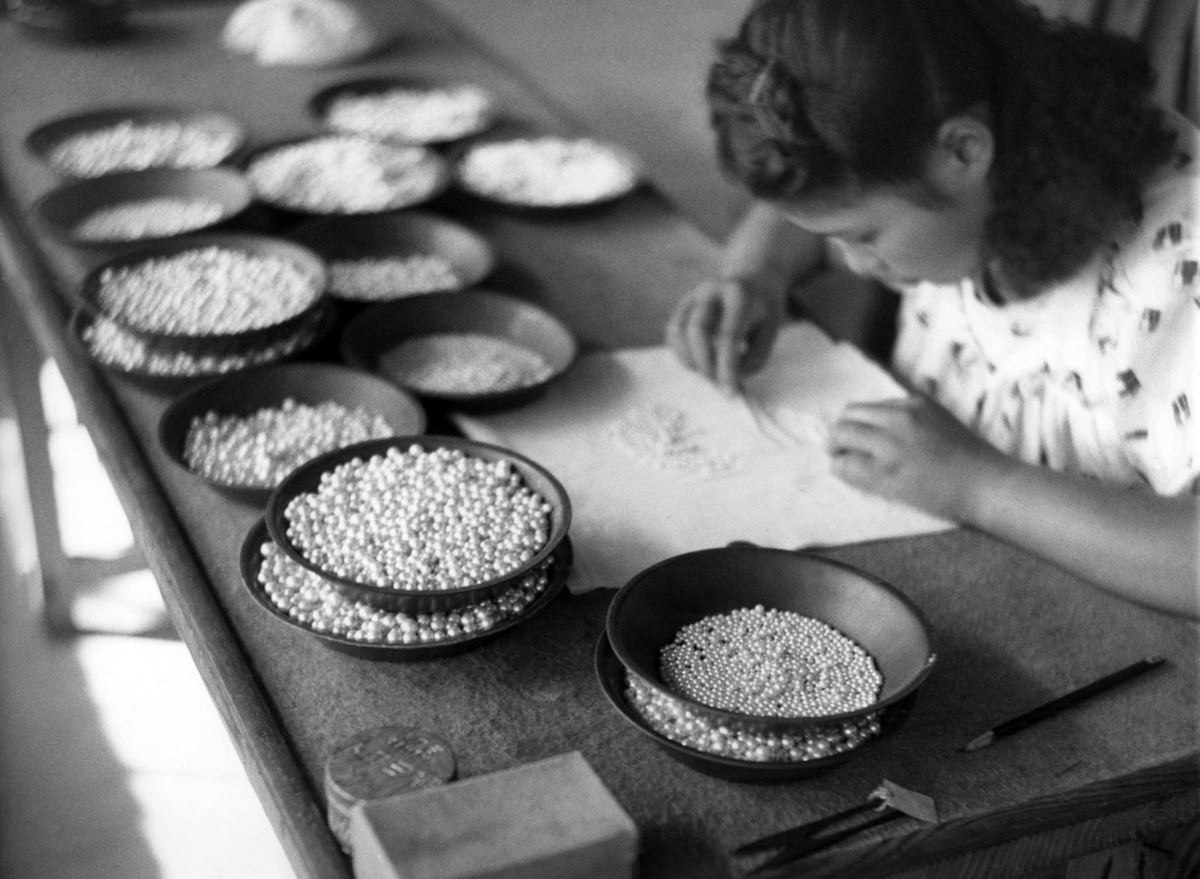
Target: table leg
pixel 61 575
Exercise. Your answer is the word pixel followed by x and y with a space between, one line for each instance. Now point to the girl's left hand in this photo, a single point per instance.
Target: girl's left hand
pixel 912 450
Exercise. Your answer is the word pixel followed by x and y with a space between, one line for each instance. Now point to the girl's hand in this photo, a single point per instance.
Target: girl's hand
pixel 913 450
pixel 725 329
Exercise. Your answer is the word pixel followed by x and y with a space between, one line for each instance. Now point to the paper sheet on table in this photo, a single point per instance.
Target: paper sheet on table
pixel 765 481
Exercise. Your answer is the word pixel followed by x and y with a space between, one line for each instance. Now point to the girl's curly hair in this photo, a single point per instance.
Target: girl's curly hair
pixel 813 96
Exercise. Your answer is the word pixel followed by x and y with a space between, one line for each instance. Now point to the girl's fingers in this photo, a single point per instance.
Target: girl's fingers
pixel 677 335
pixel 856 437
pixel 855 468
pixel 698 332
pixel 728 344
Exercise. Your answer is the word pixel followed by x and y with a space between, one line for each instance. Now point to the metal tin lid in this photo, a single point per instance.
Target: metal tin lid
pixel 386 761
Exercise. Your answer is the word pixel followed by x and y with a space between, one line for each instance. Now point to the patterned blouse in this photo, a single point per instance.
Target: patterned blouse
pixel 1099 376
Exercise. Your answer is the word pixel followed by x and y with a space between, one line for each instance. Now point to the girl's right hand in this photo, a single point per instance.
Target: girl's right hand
pixel 725 330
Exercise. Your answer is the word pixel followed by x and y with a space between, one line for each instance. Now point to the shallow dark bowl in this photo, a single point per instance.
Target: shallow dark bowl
pixel 44 139
pixel 307 478
pixel 648 611
pixel 320 104
pixel 379 236
pixel 612 677
pixel 63 208
pixel 460 153
pixel 323 320
pixel 439 182
pixel 378 329
pixel 251 562
pixel 268 387
pixel 255 245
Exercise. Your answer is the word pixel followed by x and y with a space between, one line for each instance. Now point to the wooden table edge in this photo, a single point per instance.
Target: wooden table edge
pixel 271 765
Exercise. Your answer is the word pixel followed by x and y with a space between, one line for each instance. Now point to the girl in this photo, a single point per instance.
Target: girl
pixel 1011 178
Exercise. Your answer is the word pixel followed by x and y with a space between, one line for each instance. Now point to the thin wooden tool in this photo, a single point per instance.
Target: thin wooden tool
pixel 1054 706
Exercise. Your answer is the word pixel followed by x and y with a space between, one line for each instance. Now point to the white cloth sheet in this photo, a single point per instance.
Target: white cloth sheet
pixel 755 471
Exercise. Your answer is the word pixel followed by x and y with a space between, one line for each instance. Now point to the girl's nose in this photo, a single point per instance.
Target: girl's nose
pixel 859 261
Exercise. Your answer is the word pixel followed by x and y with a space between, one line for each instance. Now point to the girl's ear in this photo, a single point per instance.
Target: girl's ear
pixel 962 154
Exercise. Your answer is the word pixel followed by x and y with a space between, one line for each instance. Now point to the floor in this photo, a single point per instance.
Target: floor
pixel 113 761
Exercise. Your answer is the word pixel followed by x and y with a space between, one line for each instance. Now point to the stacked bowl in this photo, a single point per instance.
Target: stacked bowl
pixel 201 306
pixel 757 664
pixel 410 547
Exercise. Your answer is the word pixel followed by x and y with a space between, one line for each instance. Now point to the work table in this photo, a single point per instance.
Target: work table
pixel 1009 629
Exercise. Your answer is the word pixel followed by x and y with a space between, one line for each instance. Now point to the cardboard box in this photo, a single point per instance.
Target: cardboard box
pixel 553 819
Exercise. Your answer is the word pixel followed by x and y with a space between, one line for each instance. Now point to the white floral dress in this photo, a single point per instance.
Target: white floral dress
pixel 1099 376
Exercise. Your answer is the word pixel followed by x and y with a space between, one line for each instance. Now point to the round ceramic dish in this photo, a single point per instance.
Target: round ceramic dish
pixel 558 567
pixel 224 134
pixel 374 332
pixel 396 236
pixel 612 677
pixel 163 369
pixel 429 171
pixel 307 478
pixel 268 387
pixel 648 611
pixel 67 207
pixel 260 246
pixel 329 107
pixel 513 174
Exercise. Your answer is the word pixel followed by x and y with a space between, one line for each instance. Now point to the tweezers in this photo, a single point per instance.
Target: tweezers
pixel 806 839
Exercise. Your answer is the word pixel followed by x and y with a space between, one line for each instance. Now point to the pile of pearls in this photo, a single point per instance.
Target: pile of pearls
pixel 148 218
pixel 345 174
pixel 463 363
pixel 661 437
pixel 206 291
pixel 419 520
pixel 546 171
pixel 258 450
pixel 114 346
pixel 415 115
pixel 669 718
pixel 769 663
pixel 315 603
pixel 136 146
pixel 391 277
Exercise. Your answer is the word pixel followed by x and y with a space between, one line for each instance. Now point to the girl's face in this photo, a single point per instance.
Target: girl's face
pixel 901 234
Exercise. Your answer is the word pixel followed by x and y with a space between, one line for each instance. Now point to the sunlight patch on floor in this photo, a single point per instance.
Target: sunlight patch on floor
pixel 198 815
pixel 115 759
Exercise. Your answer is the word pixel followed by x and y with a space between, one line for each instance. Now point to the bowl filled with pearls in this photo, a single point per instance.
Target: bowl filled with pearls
pixel 162 368
pixel 93 143
pixel 420 523
pixel 380 257
pixel 471 350
pixel 344 174
pixel 201 292
pixel 316 607
pixel 536 171
pixel 762 664
pixel 406 109
pixel 244 434
pixel 137 207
